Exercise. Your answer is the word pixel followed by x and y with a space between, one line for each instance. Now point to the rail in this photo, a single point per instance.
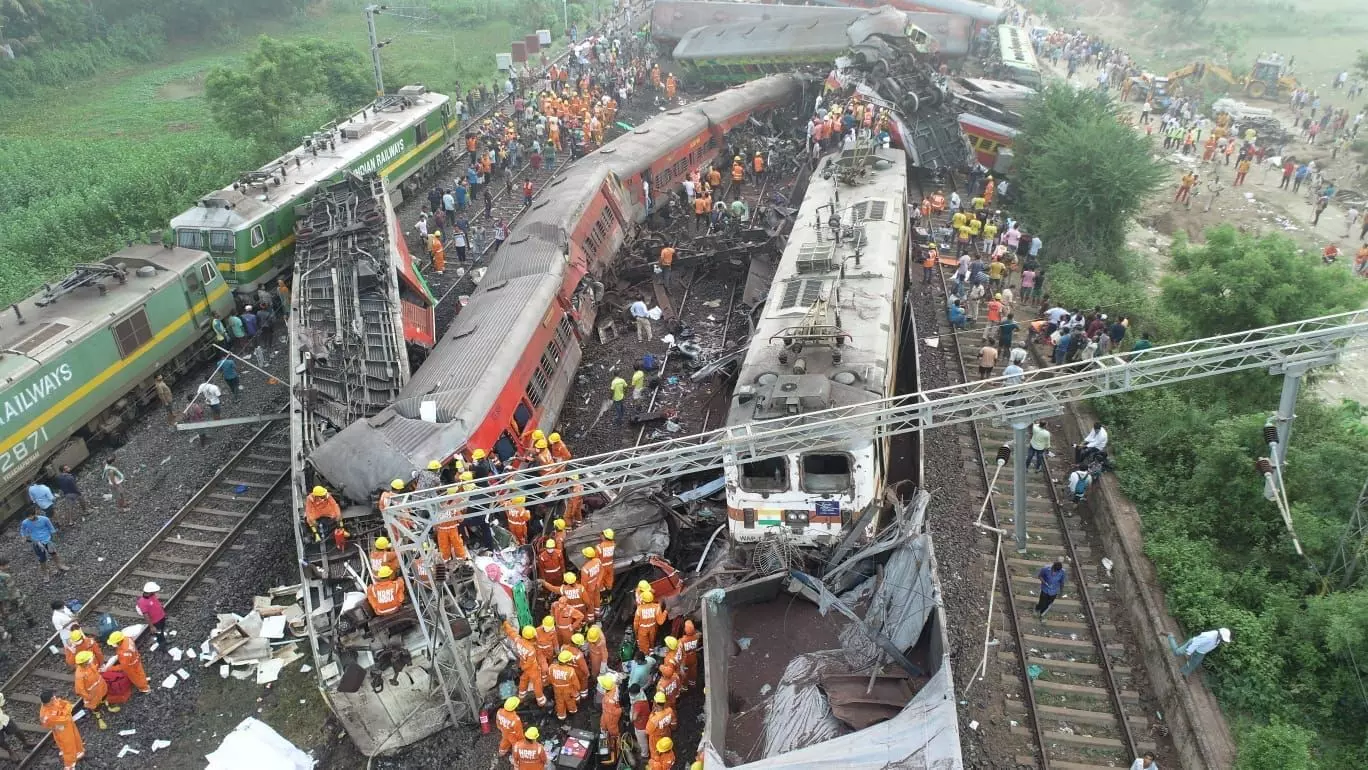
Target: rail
pixel 1043 740
pixel 177 556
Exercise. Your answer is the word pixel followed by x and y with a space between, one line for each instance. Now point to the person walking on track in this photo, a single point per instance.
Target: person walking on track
pixel 1051 581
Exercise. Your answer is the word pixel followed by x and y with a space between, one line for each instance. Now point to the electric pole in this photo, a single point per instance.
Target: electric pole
pixel 375 45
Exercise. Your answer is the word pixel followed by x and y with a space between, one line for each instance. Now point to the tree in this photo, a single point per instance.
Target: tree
pixel 1361 64
pixel 1084 173
pixel 283 81
pixel 1187 8
pixel 1276 746
pixel 1235 282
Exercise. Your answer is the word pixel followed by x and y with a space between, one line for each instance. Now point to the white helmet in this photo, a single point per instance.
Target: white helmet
pixel 150 588
pixel 1225 634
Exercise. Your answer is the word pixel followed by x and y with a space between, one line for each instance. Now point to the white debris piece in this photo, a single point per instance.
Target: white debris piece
pixel 224 670
pixel 268 671
pixel 176 654
pixel 126 733
pixel 170 681
pixel 182 673
pixel 126 750
pixel 253 745
pixel 159 744
pixel 273 627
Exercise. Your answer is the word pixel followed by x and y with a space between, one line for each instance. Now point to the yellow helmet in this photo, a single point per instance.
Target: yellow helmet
pixel 550 545
pixel 478 454
pixel 672 642
pixel 77 635
pixel 385 572
pixel 541 443
pixel 467 476
pixel 532 733
pixel 320 492
pixel 696 765
pixel 595 633
pixel 647 597
pixel 381 543
pixel 397 484
pixel 607 681
pixel 577 639
pixel 553 438
pixel 574 477
pixel 434 465
pixel 529 633
pixel 737 158
pixel 512 704
pixel 643 585
pixel 608 534
pixel 115 638
pixel 537 435
pixel 565 656
pixel 664 744
pixel 589 553
pixel 84 656
pixel 559 524
pixel 660 697
pixel 519 500
pixel 548 622
pixel 570 578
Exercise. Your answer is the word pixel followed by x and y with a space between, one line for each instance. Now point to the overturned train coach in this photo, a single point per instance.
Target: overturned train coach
pixel 508 361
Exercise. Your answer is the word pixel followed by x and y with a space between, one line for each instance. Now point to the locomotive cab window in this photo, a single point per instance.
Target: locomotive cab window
pixel 420 131
pixel 765 475
pixel 132 333
pixel 207 272
pixel 258 236
pixel 221 240
pixel 190 239
pixel 826 473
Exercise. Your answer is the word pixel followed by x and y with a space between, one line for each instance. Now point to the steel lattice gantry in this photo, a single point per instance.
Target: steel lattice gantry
pixel 1292 347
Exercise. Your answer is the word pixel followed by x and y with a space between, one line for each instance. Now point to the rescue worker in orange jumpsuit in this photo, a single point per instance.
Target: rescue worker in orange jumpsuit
pixel 55 715
pixel 574 504
pixel 691 643
pixel 606 547
pixel 662 755
pixel 581 664
pixel 81 643
pixel 546 641
pixel 518 519
pixel 568 620
pixel 738 175
pixel 528 753
pixel 386 593
pixel 661 723
pixel 450 543
pixel 510 725
pixel 674 656
pixel 130 662
pixel 988 189
pixel 938 202
pixel 572 591
pixel 438 252
pixel 642 587
pixel 322 514
pixel 669 684
pixel 598 650
pixel 670 86
pixel 397 487
pixel 558 448
pixel 551 562
pixel 758 165
pixel 543 460
pixel 381 555
pixel 610 720
pixel 530 661
pixel 92 687
pixel 565 683
pixel 650 616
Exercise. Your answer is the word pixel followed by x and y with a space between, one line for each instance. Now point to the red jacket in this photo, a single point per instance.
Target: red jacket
pixel 641 713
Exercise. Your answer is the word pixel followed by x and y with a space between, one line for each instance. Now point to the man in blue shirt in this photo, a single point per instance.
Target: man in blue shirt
pixel 230 374
pixel 40 495
pixel 37 530
pixel 1051 580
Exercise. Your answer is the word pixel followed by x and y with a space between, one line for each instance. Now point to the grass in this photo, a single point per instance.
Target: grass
pixel 87 146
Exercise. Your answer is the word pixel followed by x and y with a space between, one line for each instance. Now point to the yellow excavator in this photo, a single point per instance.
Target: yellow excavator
pixel 1268 80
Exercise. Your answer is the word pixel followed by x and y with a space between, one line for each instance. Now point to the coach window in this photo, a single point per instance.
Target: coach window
pixel 522 415
pixel 826 473
pixel 765 475
pixel 221 240
pixel 504 447
pixel 132 333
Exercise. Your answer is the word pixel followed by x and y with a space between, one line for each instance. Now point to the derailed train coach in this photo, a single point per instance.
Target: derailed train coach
pixel 671 20
pixel 508 361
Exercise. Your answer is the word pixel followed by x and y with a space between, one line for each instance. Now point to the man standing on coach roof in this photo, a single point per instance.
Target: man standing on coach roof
pixel 37 530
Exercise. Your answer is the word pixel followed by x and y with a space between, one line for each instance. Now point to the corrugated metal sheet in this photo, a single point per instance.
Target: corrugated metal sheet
pixel 785 37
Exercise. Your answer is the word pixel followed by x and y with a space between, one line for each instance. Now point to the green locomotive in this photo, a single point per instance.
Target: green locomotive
pixel 79 358
pixel 249 225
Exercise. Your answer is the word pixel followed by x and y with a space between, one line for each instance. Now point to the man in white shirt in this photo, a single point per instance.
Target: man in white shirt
pixel 689 191
pixel 1040 444
pixel 1198 646
pixel 62 620
pixel 1093 444
pixel 212 398
pixel 1018 354
pixel 1013 374
pixel 641 315
pixel 1145 763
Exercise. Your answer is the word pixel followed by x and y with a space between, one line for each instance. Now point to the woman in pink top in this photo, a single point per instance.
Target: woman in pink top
pixel 1012 237
pixel 150 607
pixel 1028 284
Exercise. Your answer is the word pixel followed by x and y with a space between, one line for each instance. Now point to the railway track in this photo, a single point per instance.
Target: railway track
pixel 1073 702
pixel 175 558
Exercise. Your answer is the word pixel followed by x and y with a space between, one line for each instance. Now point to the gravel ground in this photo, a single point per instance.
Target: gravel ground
pixel 164 469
